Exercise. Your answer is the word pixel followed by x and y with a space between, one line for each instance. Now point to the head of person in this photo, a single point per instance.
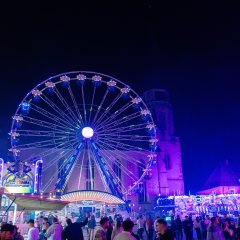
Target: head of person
pixel 31 223
pixel 45 220
pixel 45 226
pixel 161 226
pixel 178 217
pixel 55 220
pixel 186 217
pixel 225 215
pixel 215 221
pixel 207 217
pixel 104 222
pixel 197 219
pixel 69 221
pixel 118 224
pixel 7 232
pixel 128 225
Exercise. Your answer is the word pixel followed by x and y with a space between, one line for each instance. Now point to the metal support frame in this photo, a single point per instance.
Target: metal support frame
pixel 62 180
pixel 113 185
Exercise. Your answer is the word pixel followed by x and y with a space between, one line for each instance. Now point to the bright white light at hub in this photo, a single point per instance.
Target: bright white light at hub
pixel 87 132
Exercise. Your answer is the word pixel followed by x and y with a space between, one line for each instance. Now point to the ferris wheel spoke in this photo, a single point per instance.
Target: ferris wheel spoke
pixel 44 124
pixel 51 116
pixel 117 179
pixel 71 162
pixel 89 163
pixel 124 155
pixel 123 168
pixel 125 137
pixel 111 169
pixel 114 186
pixel 100 106
pixel 58 110
pixel 107 110
pixel 84 105
pixel 81 168
pixel 104 181
pixel 42 133
pixel 120 121
pixel 128 128
pixel 53 177
pixel 56 159
pixel 44 143
pixel 67 106
pixel 90 110
pixel 116 113
pixel 75 105
pixel 122 146
pixel 51 151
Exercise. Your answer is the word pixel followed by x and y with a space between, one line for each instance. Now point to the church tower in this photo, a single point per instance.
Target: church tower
pixel 167 176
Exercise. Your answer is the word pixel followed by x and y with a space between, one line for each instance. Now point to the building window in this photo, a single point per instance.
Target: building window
pixel 167 161
pixel 142 190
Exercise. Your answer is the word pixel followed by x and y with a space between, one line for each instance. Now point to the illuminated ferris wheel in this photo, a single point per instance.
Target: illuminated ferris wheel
pixel 92 132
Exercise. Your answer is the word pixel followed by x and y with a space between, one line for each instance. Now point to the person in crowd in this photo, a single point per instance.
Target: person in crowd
pixel 163 233
pixel 50 218
pixel 101 233
pixel 91 227
pixel 233 228
pixel 110 228
pixel 187 226
pixel 7 232
pixel 16 234
pixel 149 227
pixel 225 218
pixel 54 232
pixel 140 227
pixel 214 232
pixel 197 227
pixel 178 228
pixel 203 228
pixel 117 229
pixel 40 220
pixel 33 232
pixel 73 231
pixel 227 232
pixel 207 221
pixel 127 231
pixel 238 229
pixel 45 226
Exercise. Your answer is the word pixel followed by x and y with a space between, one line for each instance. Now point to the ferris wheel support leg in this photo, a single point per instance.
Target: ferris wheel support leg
pixel 113 185
pixel 67 170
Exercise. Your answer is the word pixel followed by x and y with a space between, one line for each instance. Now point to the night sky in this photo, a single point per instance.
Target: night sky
pixel 190 48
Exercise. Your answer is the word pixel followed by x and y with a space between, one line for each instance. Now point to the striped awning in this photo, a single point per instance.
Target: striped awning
pixel 97 196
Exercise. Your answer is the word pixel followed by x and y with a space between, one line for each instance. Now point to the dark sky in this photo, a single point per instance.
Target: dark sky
pixel 190 48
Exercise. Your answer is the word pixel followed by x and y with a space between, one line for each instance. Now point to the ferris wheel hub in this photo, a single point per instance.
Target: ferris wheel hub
pixel 87 132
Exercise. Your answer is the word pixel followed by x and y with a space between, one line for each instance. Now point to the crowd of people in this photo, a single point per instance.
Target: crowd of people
pixel 116 228
pixel 205 228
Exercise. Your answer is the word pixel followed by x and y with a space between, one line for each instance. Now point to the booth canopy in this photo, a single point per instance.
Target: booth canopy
pixel 93 195
pixel 37 203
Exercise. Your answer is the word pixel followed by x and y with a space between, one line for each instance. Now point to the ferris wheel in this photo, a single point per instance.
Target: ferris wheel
pixel 91 131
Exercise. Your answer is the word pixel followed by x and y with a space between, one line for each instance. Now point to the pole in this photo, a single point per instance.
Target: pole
pixel 20 214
